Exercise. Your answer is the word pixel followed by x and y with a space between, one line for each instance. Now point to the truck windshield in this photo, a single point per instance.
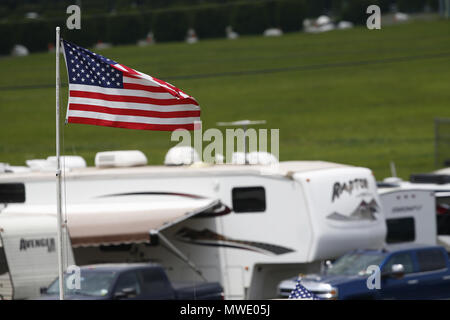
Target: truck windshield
pixel 95 284
pixel 355 263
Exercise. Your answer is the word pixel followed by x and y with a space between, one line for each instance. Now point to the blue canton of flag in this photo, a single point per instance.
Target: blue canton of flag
pixel 88 68
pixel 300 292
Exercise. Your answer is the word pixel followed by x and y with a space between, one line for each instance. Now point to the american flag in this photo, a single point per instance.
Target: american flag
pixel 105 93
pixel 300 292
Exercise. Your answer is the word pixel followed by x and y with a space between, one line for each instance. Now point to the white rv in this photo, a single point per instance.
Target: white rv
pixel 410 215
pixel 418 210
pixel 28 254
pixel 246 226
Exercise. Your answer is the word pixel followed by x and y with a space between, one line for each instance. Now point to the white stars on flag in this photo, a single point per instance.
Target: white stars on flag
pixel 83 64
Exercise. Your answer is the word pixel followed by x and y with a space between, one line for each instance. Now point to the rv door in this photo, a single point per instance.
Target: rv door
pixel 6 288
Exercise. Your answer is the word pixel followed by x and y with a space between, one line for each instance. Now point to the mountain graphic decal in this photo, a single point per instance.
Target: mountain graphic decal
pixel 364 211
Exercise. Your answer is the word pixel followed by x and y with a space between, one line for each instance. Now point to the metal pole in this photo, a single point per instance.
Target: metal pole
pixel 436 143
pixel 447 9
pixel 393 170
pixel 58 179
pixel 177 252
pixel 245 145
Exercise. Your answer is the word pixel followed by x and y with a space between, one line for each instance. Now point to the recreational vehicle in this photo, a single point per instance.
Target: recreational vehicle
pixel 410 216
pixel 245 226
pixel 418 210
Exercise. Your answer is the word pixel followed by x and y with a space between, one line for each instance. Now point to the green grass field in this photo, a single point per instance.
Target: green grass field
pixel 355 96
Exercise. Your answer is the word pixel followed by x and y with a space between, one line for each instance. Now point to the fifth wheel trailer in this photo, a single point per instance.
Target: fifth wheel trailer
pixel 245 226
pixel 410 216
pixel 421 205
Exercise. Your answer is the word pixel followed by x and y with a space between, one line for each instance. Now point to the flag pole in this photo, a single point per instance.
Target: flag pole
pixel 58 177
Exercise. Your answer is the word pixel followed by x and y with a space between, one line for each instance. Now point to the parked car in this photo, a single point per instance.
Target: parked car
pixel 419 272
pixel 143 281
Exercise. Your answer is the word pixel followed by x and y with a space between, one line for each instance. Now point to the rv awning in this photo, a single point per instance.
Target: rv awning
pixel 115 222
pixel 130 222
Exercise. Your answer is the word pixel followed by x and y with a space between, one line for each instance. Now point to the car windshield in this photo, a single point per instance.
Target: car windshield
pixel 92 283
pixel 355 263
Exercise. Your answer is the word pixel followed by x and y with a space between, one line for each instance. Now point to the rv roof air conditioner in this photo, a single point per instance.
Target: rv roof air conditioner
pixel 177 156
pixel 238 158
pixel 6 168
pixel 263 158
pixel 124 158
pixel 49 164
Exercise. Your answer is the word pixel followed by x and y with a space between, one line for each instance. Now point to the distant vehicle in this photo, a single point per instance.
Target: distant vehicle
pixel 141 281
pixel 419 272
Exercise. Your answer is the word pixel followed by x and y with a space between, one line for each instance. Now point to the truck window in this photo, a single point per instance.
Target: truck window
pixel 128 280
pixel 431 259
pixel 155 282
pixel 355 263
pixel 249 199
pixel 400 230
pixel 95 284
pixel 404 259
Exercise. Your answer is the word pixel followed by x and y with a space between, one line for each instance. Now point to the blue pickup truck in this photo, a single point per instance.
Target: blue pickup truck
pixel 419 272
pixel 135 281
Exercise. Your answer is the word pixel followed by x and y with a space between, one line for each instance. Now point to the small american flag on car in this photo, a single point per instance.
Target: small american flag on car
pixel 301 293
pixel 105 93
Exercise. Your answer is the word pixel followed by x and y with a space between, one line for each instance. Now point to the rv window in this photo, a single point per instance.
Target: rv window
pixel 3 262
pixel 443 222
pixel 400 230
pixel 12 192
pixel 431 259
pixel 443 215
pixel 251 199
